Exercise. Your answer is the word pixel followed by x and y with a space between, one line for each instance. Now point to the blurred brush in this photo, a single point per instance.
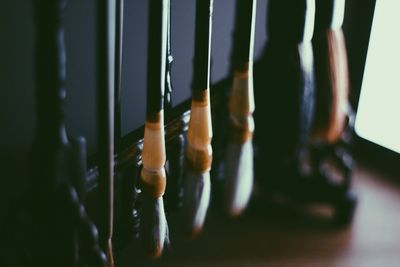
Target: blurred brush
pixel 198 151
pixel 331 72
pixel 196 199
pixel 239 151
pixel 239 177
pixel 198 164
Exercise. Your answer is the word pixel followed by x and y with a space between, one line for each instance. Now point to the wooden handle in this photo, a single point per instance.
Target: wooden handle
pixel 199 151
pixel 338 84
pixel 153 228
pixel 241 107
pixel 153 177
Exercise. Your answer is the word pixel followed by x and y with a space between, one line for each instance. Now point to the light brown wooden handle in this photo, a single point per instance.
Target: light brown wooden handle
pixel 153 177
pixel 331 127
pixel 241 106
pixel 340 84
pixel 199 151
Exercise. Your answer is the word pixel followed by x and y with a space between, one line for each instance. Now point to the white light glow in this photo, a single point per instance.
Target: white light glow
pixel 379 107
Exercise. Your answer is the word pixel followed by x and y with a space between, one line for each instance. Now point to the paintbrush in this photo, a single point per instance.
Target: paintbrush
pixel 239 150
pixel 153 224
pixel 198 150
pixel 332 81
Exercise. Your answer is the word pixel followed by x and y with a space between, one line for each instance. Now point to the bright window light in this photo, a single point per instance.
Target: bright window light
pixel 378 115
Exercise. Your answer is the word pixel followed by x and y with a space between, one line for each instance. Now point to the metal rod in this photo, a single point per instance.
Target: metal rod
pixel 106 23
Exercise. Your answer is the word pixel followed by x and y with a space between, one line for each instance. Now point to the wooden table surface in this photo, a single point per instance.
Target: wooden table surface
pixel 270 236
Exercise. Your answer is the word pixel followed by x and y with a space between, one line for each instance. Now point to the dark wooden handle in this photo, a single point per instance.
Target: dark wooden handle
pixel 291 21
pixel 243 35
pixel 202 48
pixel 156 56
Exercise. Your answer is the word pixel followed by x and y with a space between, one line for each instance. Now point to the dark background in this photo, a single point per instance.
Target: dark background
pixel 17 80
pixel 17 92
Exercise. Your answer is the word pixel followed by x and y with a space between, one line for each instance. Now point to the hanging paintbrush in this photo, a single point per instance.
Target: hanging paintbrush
pixel 239 150
pixel 154 228
pixel 198 151
pixel 106 19
pixel 332 82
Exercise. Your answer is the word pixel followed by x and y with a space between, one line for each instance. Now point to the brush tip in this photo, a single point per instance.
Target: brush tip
pixel 153 226
pixel 194 232
pixel 238 177
pixel 154 254
pixel 196 201
pixel 235 212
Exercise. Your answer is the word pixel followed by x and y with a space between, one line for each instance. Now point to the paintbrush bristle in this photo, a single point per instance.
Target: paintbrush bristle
pixel 198 164
pixel 238 176
pixel 153 226
pixel 196 201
